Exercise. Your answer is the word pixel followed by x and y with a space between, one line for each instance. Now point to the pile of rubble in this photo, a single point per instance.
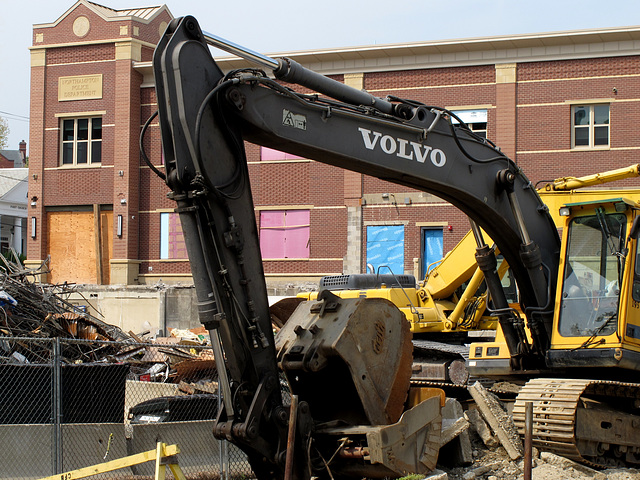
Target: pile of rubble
pixel 32 314
pixel 495 464
pixel 183 358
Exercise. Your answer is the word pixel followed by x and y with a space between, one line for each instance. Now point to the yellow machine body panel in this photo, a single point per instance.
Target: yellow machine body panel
pixel 423 313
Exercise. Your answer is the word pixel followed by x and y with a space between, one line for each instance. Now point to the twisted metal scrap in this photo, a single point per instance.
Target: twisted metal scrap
pixel 43 311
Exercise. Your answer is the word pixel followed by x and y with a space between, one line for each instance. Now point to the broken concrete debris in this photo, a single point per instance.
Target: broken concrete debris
pixel 481 427
pixel 499 421
pixel 454 439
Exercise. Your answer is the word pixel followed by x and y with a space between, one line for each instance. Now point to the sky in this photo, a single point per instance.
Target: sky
pixel 287 25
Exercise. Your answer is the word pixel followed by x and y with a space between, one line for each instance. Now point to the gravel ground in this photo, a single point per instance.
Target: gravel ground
pixel 495 464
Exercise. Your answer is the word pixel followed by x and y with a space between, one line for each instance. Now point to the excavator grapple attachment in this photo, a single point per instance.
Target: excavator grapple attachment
pixel 350 360
pixel 370 337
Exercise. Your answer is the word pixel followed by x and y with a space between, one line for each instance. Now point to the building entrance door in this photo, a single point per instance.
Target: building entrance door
pixel 431 247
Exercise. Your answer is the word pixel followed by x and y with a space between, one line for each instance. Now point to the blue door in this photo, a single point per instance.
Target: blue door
pixel 431 247
pixel 385 246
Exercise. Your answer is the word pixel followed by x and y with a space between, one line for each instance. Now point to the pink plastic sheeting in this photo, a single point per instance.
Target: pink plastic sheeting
pixel 267 154
pixel 284 233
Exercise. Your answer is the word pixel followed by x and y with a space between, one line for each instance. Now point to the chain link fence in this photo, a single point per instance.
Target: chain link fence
pixel 67 404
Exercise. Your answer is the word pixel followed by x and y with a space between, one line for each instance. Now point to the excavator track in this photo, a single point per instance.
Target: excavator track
pixel 563 424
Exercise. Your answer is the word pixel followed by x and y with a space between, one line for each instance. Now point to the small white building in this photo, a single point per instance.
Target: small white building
pixel 13 209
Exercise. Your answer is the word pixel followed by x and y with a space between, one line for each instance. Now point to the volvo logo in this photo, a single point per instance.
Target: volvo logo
pixel 402 148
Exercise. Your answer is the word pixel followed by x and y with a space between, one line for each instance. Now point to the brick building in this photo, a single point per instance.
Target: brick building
pixel 559 104
pixel 87 98
pixel 14 158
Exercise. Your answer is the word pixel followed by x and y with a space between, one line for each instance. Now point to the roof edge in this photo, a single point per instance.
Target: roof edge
pixel 98 11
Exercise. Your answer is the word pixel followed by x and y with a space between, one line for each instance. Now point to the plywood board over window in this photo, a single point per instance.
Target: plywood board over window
pixel 284 234
pixel 72 245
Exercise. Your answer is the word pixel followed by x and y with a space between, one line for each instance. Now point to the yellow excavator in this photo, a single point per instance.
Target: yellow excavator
pixel 451 301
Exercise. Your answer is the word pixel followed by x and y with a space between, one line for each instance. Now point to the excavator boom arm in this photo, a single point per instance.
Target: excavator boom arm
pixel 206 116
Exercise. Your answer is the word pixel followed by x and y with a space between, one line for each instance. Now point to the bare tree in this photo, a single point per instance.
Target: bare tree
pixel 4 133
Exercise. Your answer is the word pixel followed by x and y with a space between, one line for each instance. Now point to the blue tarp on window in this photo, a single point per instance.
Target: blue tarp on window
pixel 385 246
pixel 432 244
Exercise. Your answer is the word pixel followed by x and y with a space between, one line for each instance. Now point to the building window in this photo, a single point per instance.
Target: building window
pixel 385 248
pixel 284 234
pixel 590 126
pixel 476 120
pixel 269 154
pixel 81 141
pixel 172 246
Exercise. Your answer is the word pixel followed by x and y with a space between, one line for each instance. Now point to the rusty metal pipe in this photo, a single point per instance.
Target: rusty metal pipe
pixel 528 437
pixel 291 438
pixel 353 452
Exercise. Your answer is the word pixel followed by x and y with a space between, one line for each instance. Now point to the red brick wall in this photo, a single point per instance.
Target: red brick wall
pixel 99 28
pixel 530 119
pixel 88 53
pixel 544 96
pixel 505 118
pixel 124 102
pixel 36 247
pixel 5 162
pixel 443 77
pixel 126 158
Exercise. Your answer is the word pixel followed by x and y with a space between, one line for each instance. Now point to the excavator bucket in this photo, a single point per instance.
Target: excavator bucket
pixel 368 336
pixel 350 360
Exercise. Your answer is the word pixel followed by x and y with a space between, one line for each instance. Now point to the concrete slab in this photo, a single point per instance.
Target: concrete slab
pixel 481 428
pixel 501 423
pixel 455 447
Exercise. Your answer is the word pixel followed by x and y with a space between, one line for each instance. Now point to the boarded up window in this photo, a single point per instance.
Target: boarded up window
pixel 269 154
pixel 284 233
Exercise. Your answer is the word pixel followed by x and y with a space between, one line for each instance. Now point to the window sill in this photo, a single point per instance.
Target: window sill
pixel 285 259
pixel 591 149
pixel 75 167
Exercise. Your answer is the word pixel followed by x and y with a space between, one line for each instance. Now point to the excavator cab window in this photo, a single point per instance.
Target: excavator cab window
pixel 510 287
pixel 591 281
pixel 635 235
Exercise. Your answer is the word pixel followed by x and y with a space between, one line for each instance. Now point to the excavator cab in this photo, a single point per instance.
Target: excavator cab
pixel 597 316
pixel 597 323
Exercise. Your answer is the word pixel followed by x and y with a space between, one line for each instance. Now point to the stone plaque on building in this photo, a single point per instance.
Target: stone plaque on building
pixel 80 87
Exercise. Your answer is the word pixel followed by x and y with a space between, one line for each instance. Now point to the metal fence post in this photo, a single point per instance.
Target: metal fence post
pixel 57 407
pixel 528 434
pixel 224 450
